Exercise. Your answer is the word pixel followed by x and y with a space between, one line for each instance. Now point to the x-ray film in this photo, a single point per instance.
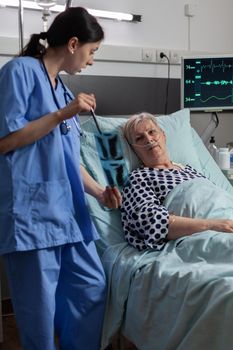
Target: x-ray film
pixel 111 157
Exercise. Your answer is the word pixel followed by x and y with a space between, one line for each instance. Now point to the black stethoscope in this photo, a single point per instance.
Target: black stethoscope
pixel 64 126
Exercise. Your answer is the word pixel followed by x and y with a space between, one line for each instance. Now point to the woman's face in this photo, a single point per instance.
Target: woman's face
pixel 83 56
pixel 149 143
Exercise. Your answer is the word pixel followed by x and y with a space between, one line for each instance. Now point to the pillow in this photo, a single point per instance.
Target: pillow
pixel 179 138
pixel 181 149
pixel 178 133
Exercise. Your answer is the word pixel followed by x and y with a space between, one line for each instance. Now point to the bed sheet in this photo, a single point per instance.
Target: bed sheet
pixel 182 297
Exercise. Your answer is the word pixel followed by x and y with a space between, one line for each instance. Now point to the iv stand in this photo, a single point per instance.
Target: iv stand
pixel 46 12
pixel 45 16
pixel 20 19
pixel 45 5
pixel 68 3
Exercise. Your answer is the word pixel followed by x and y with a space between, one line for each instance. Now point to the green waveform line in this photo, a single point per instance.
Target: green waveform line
pixel 200 67
pixel 212 66
pixel 217 98
pixel 218 82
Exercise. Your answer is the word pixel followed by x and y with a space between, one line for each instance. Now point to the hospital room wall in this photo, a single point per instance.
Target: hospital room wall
pixel 163 26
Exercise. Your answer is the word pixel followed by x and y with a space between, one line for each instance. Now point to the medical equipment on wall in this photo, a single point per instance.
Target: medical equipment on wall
pixel 206 82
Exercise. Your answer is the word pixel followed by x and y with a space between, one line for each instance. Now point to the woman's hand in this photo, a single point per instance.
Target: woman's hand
pixel 81 103
pixel 110 197
pixel 40 127
pixel 181 226
pixel 221 225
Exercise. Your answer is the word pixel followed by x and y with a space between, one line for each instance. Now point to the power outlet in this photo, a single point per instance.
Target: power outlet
pixel 160 59
pixel 175 57
pixel 148 55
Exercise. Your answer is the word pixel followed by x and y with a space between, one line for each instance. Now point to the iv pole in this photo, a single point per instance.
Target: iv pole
pixel 20 19
pixel 68 3
pixel 45 5
pixel 45 14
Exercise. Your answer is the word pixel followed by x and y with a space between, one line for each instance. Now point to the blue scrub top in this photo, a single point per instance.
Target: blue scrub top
pixel 42 201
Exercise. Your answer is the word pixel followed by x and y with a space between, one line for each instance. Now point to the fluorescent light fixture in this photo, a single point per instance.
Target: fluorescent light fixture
pixel 32 5
pixel 120 16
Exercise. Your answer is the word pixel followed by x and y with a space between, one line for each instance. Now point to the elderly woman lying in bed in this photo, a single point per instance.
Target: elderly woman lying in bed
pixel 157 204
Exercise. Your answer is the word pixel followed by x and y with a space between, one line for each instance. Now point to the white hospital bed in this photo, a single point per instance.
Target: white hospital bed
pixel 147 300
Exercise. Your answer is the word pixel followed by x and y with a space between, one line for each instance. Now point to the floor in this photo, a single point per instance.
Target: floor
pixel 10 334
pixel 11 337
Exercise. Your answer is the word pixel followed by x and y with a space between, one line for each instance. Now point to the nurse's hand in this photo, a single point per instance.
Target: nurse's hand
pixel 81 103
pixel 110 197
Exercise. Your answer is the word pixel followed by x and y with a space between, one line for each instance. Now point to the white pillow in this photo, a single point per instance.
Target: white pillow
pixel 178 134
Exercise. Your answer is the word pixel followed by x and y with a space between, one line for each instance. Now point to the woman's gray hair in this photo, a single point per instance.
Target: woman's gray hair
pixel 131 125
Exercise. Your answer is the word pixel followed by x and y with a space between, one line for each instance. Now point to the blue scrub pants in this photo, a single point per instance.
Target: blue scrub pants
pixel 58 290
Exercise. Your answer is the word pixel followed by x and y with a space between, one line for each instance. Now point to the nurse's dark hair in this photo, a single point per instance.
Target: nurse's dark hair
pixel 73 22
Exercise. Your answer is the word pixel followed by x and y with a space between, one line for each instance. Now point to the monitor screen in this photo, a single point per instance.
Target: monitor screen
pixel 206 83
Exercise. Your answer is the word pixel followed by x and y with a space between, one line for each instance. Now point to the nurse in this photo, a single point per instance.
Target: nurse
pixel 47 238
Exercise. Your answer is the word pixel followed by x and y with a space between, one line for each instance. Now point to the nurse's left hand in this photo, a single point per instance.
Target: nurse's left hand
pixel 111 197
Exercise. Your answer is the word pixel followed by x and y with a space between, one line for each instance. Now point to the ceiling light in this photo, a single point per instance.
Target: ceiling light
pixel 120 16
pixel 46 4
pixel 59 8
pixel 31 5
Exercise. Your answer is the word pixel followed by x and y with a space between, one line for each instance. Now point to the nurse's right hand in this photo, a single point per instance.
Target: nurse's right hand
pixel 82 103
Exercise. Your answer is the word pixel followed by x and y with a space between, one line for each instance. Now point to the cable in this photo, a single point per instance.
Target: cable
pixel 212 125
pixel 216 119
pixel 163 55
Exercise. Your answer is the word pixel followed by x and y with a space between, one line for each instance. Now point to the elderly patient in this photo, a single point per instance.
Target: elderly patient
pixel 147 223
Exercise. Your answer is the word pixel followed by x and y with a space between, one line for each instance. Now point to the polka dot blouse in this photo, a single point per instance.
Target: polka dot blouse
pixel 144 217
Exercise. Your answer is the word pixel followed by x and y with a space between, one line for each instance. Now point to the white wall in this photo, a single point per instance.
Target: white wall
pixel 163 26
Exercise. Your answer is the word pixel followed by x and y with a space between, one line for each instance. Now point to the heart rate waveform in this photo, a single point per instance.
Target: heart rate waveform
pixel 207 83
pixel 217 82
pixel 212 66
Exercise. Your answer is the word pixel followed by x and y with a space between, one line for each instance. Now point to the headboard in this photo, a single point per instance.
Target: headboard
pixel 127 95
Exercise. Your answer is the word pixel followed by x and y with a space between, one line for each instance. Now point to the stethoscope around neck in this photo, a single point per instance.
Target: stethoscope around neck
pixel 64 126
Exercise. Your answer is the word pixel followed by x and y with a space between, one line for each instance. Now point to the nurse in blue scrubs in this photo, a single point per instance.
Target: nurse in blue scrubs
pixel 47 237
